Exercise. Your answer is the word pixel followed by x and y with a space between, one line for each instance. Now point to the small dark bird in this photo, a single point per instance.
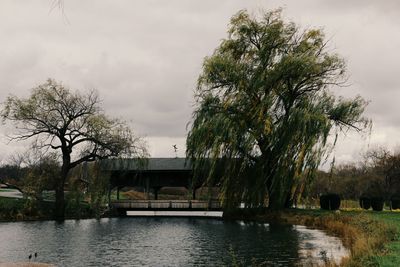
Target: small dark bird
pixel 35 255
pixel 175 148
pixel 30 257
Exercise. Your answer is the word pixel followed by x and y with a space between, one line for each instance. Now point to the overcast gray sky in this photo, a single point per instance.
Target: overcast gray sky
pixel 144 58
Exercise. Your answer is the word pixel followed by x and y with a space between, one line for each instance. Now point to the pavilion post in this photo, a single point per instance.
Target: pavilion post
pixel 193 193
pixel 147 188
pixel 109 197
pixel 156 189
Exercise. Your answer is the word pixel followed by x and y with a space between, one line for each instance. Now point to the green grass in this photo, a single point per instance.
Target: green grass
pixel 8 190
pixel 122 195
pixel 49 195
pixel 372 237
pixel 391 257
pixel 7 203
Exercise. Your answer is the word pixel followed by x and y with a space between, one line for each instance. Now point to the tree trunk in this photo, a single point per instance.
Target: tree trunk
pixel 289 201
pixel 276 202
pixel 60 201
pixel 278 198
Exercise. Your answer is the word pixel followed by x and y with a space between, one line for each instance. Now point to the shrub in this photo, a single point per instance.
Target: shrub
pixel 395 202
pixel 377 203
pixel 330 202
pixel 31 207
pixel 365 202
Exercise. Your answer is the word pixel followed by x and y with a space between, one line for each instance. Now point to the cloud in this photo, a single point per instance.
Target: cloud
pixel 144 57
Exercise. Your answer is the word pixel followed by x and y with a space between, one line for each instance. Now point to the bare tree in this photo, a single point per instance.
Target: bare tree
pixel 71 123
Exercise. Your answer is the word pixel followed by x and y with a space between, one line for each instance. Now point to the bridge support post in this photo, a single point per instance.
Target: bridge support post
pixel 156 189
pixel 109 197
pixel 147 188
pixel 193 193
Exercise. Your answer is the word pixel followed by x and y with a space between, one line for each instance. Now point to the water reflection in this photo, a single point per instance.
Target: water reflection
pixel 316 246
pixel 164 242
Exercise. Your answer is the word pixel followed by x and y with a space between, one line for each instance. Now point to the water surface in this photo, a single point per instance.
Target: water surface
pixel 165 242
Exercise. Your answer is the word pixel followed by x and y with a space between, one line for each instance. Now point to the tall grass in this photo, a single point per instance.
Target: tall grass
pixel 364 233
pixel 365 236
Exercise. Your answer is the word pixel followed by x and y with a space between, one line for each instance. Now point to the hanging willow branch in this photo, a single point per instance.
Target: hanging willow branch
pixel 264 110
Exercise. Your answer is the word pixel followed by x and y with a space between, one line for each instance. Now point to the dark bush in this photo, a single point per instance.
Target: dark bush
pixel 395 202
pixel 330 202
pixel 365 202
pixel 377 203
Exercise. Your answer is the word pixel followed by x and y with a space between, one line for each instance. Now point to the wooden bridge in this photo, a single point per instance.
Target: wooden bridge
pixel 186 208
pixel 172 205
pixel 152 176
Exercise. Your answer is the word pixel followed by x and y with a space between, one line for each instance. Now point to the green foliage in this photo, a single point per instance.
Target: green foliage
pixel 330 202
pixel 24 208
pixel 97 190
pixel 264 111
pixel 31 207
pixel 395 202
pixel 10 208
pixel 75 207
pixel 40 176
pixel 377 203
pixel 365 202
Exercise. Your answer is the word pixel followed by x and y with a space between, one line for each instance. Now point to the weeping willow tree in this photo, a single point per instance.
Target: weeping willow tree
pixel 264 110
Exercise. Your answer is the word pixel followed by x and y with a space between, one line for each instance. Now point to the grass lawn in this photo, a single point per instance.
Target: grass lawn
pixel 7 203
pixel 7 190
pixel 392 255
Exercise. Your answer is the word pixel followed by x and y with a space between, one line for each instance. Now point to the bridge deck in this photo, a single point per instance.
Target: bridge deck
pixel 159 205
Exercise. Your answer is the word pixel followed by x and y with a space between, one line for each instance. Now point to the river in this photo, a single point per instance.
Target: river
pixel 166 242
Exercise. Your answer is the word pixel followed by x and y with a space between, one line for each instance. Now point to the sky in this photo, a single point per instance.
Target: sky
pixel 144 58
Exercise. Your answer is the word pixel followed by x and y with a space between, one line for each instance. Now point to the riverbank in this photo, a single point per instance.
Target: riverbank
pixel 25 264
pixel 23 209
pixel 371 237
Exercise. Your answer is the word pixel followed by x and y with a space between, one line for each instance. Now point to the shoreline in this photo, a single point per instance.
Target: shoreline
pixel 25 264
pixel 365 234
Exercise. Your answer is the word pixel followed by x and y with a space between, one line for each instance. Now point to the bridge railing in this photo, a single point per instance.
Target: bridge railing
pixel 166 204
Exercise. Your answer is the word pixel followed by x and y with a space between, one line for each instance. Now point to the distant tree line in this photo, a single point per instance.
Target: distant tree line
pixel 377 175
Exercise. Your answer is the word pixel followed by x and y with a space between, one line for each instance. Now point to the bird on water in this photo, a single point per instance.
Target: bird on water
pixel 34 255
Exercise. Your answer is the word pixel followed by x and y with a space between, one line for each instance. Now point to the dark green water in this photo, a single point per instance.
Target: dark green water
pixel 164 242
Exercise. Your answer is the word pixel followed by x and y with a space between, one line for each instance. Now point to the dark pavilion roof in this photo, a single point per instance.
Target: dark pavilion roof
pixel 150 164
